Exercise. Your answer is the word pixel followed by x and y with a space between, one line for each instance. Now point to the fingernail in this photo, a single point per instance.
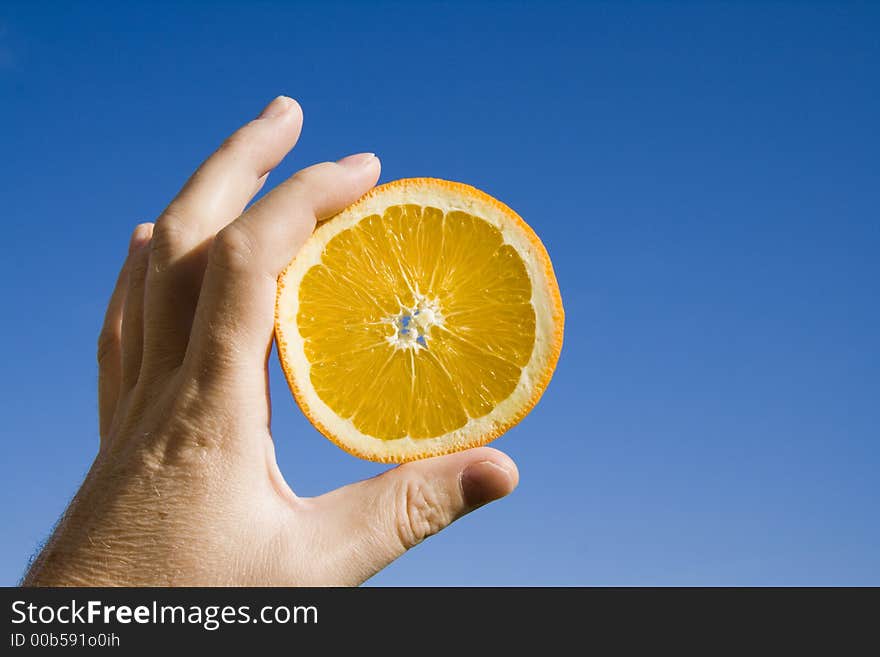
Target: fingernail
pixel 484 482
pixel 356 161
pixel 276 108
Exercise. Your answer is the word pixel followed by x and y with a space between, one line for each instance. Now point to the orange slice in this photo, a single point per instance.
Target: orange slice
pixel 422 320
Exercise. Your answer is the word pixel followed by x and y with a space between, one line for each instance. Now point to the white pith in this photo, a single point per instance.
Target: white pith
pixel 292 343
pixel 414 331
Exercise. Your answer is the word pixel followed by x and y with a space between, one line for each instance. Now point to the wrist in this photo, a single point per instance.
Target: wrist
pixel 85 547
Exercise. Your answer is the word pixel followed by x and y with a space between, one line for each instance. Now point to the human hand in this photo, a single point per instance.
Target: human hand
pixel 185 489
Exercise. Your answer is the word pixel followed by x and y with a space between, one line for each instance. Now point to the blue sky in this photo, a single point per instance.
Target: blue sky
pixel 705 177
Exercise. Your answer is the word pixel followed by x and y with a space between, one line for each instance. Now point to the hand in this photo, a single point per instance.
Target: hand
pixel 185 489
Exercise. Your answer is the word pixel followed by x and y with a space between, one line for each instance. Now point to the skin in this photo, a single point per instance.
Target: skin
pixel 185 488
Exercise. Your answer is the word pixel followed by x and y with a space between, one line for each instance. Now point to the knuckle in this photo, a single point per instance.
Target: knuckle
pixel 233 249
pixel 313 188
pixel 420 512
pixel 142 231
pixel 239 145
pixel 169 235
pixel 313 176
pixel 108 344
pixel 138 265
pixel 138 273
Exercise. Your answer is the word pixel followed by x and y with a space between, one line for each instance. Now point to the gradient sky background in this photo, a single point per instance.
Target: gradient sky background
pixel 705 177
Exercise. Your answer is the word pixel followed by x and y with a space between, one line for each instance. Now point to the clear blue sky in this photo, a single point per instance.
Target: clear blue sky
pixel 706 179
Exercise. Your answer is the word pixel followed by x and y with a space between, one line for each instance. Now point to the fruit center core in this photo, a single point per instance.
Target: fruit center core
pixel 411 328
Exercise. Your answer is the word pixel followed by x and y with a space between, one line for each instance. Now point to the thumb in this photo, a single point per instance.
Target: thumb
pixel 365 526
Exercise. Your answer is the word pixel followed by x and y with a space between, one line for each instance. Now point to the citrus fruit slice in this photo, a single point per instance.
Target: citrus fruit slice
pixel 421 320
